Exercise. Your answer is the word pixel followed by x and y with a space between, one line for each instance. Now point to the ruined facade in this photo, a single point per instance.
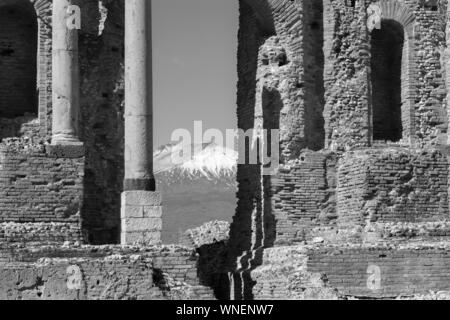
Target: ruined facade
pixel 358 207
pixel 359 92
pixel 76 157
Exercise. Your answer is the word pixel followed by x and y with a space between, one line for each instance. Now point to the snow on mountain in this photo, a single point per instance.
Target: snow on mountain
pixel 197 188
pixel 207 160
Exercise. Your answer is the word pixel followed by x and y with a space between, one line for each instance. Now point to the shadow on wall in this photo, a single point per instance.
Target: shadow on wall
pixel 386 79
pixel 18 60
pixel 102 94
pixel 18 70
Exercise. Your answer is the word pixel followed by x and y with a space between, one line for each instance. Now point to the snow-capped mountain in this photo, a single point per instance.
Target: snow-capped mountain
pixel 177 164
pixel 197 185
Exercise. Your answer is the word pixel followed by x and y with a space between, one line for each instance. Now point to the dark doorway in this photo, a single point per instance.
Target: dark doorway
pixel 18 61
pixel 387 51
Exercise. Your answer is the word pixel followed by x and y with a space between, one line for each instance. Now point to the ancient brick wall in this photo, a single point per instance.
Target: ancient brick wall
pixel 26 65
pixel 102 125
pixel 280 87
pixel 346 73
pixel 93 273
pixel 321 272
pixel 322 78
pixel 303 197
pixel 403 271
pixel 40 187
pixel 392 185
pixel 348 87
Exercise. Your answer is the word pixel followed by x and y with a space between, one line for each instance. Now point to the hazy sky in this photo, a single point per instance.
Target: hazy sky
pixel 195 77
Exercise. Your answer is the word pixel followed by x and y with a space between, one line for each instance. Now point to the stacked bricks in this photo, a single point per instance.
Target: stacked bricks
pixel 392 185
pixel 41 193
pixel 108 272
pixel 303 196
pixel 141 217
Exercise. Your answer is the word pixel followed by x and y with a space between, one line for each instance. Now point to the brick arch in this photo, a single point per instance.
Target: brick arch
pixel 394 10
pixel 397 11
pixel 43 13
pixel 18 49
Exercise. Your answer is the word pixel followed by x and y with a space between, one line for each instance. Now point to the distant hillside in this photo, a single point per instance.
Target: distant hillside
pixel 198 189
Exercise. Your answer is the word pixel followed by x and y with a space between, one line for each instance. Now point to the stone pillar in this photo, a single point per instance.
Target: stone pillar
pixel 65 77
pixel 141 214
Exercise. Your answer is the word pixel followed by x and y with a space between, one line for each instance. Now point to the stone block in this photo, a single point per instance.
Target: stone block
pixel 141 224
pixel 149 238
pixel 141 211
pixel 141 198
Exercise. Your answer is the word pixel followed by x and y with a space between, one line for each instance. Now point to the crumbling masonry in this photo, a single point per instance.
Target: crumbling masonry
pixel 359 206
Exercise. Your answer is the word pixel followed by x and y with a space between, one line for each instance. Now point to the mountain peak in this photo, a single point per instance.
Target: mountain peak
pixel 207 159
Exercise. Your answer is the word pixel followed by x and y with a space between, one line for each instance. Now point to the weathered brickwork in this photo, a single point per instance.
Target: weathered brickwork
pixel 343 272
pixel 392 185
pixel 39 188
pixel 102 129
pixel 403 271
pixel 363 119
pixel 303 197
pixel 80 273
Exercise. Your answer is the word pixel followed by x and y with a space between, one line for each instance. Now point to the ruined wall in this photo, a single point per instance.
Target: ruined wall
pixel 359 155
pixel 405 271
pixel 93 273
pixel 280 87
pixel 102 125
pixel 251 36
pixel 343 272
pixel 348 88
pixel 347 56
pixel 303 197
pixel 26 67
pixel 40 187
pixel 101 122
pixel 392 185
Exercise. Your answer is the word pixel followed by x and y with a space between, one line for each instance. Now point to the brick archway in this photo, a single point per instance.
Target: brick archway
pixel 402 14
pixel 18 50
pixel 42 15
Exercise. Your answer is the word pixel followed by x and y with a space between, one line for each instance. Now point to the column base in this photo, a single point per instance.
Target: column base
pixel 65 140
pixel 141 218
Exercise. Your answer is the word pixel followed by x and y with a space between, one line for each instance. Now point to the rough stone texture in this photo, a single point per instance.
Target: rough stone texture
pixel 363 166
pixel 102 127
pixel 343 272
pixel 39 188
pixel 124 273
pixel 211 243
pixel 209 233
pixel 363 143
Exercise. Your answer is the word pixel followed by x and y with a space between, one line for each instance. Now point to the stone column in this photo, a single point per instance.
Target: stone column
pixel 65 78
pixel 141 213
